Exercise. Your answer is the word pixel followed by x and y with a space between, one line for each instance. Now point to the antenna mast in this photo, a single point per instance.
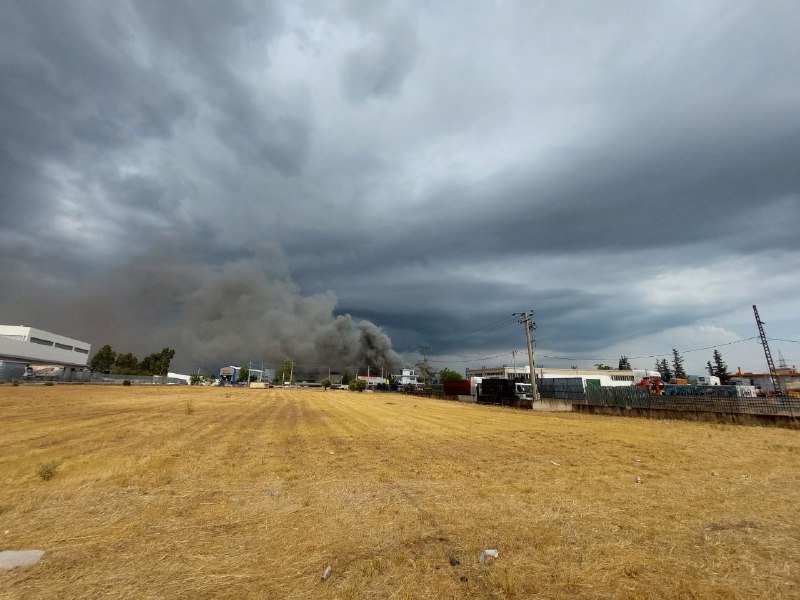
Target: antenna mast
pixel 773 374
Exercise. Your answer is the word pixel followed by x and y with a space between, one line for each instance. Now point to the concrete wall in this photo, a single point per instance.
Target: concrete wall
pixel 692 415
pixel 552 405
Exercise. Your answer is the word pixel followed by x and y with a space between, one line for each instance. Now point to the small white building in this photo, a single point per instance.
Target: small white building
pixel 408 377
pixel 36 346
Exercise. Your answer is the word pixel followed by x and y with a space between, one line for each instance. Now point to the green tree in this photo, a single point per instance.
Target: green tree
pixel 450 375
pixel 357 385
pixel 624 364
pixel 195 379
pixel 719 368
pixel 285 372
pixel 126 364
pixel 157 363
pixel 163 361
pixel 602 367
pixel 103 360
pixel 243 375
pixel 326 383
pixel 663 368
pixel 677 365
pixel 346 378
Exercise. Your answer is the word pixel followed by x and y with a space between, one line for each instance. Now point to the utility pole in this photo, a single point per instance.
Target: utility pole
pixel 425 361
pixel 529 326
pixel 514 361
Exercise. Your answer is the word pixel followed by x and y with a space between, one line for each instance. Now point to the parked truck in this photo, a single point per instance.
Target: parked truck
pixel 505 393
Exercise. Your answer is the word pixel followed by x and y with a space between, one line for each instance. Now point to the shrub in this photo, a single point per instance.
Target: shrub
pixel 15 383
pixel 326 383
pixel 48 470
pixel 49 383
pixel 126 382
pixel 357 385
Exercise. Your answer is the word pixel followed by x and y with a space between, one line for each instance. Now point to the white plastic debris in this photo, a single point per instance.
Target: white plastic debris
pixel 552 462
pixel 638 480
pixel 326 573
pixel 488 553
pixel 10 559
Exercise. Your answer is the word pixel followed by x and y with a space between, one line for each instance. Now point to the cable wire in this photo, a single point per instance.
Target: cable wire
pixel 599 359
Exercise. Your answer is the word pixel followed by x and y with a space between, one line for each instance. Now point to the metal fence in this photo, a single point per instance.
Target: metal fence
pixel 632 397
pixel 561 388
pixel 9 376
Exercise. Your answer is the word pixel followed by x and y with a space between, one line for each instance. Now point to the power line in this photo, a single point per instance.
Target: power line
pixel 466 360
pixel 471 359
pixel 651 355
pixel 488 328
pixel 782 340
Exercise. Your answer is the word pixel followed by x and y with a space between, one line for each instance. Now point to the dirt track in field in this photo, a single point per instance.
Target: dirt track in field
pixel 236 493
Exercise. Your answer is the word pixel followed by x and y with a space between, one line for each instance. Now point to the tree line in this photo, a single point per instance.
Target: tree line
pixel 715 367
pixel 106 360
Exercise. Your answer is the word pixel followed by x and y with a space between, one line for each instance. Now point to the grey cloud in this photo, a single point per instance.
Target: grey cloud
pixel 584 136
pixel 207 40
pixel 378 68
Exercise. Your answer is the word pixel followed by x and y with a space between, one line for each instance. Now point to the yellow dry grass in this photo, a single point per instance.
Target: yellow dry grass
pixel 238 493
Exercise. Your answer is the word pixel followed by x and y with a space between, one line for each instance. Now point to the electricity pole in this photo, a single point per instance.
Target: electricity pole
pixel 529 326
pixel 514 361
pixel 424 349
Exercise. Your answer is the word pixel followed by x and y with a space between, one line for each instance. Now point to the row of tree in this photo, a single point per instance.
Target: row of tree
pixel 106 360
pixel 715 367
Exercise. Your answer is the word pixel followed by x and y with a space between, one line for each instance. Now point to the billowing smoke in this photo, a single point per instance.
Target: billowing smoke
pixel 231 313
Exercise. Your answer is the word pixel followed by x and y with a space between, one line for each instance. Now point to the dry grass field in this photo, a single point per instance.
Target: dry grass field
pixel 234 493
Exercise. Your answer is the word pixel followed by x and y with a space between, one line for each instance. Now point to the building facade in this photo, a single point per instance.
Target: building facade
pixel 590 377
pixel 39 347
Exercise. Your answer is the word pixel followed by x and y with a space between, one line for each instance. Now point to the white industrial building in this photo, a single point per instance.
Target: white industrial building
pixel 590 377
pixel 22 344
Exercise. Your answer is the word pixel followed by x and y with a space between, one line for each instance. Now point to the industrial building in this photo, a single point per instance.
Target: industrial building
pixel 26 350
pixel 786 374
pixel 590 377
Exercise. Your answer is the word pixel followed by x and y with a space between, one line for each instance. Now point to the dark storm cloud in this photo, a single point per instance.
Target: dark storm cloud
pixel 206 39
pixel 69 93
pixel 432 169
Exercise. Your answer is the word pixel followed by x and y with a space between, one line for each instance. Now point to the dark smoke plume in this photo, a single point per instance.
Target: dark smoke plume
pixel 232 313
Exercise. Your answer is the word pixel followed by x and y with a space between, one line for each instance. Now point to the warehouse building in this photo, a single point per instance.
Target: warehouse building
pixel 26 344
pixel 26 350
pixel 590 377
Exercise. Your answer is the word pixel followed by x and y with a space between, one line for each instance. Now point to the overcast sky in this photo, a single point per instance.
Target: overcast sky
pixel 227 178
